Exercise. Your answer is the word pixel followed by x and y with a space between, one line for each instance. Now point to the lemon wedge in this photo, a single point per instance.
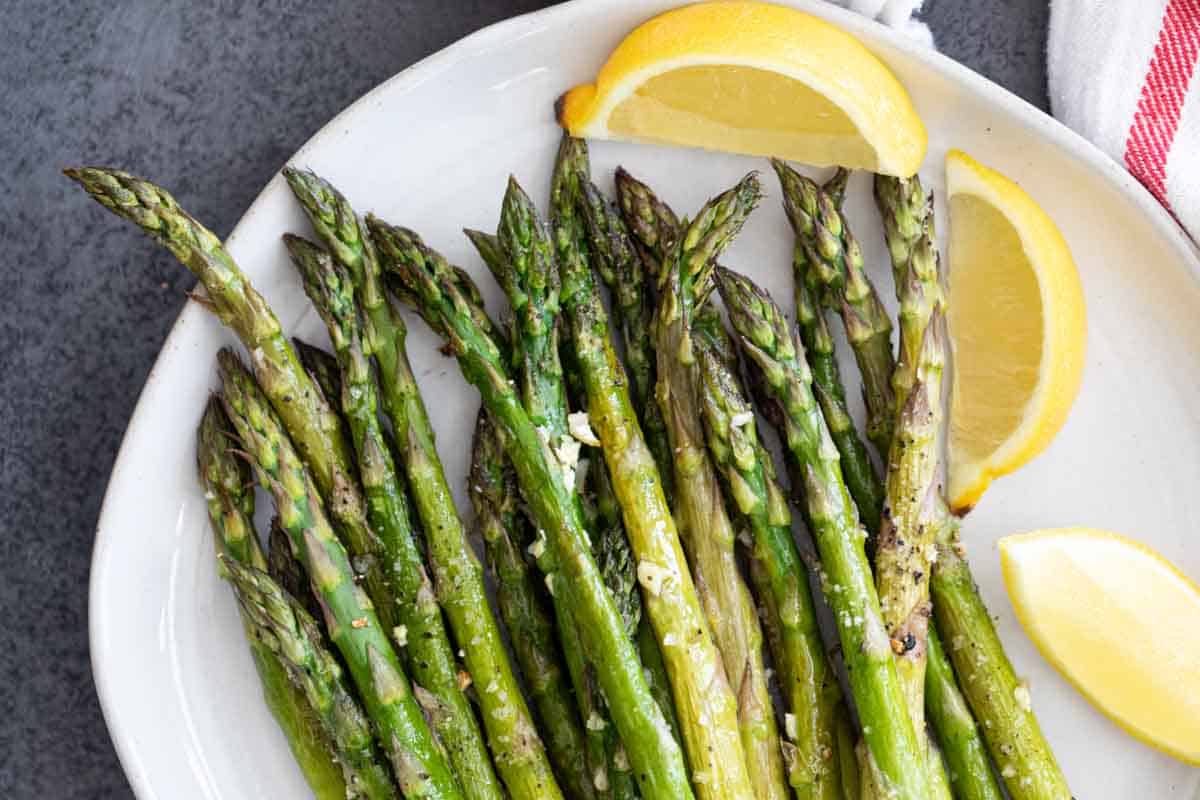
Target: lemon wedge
pixel 1018 327
pixel 753 78
pixel 1119 622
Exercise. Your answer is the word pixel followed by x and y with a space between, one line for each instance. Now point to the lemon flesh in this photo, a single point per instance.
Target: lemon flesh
pixel 1018 327
pixel 1119 622
pixel 995 310
pixel 741 110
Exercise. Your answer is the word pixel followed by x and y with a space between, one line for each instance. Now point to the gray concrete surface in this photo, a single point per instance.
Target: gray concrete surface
pixel 210 99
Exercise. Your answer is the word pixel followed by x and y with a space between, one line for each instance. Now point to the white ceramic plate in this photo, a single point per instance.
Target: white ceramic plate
pixel 431 148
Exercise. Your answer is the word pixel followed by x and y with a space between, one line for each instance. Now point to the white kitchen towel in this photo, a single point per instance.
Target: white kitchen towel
pixel 1123 74
pixel 893 13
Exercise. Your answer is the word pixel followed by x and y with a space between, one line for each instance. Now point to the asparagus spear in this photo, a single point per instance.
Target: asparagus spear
pixel 425 646
pixel 997 698
pixel 848 584
pixel 235 302
pixel 615 559
pixel 970 772
pixel 622 268
pixel 652 223
pixel 230 498
pixel 705 703
pixel 353 625
pixel 908 227
pixel 835 185
pixel 285 570
pixel 834 258
pixel 654 666
pixel 530 279
pixel 600 744
pixel 809 685
pixel 470 292
pixel 903 558
pixel 289 631
pixel 518 752
pixel 466 285
pixel 493 491
pixel 490 250
pixel 323 368
pixel 589 232
pixel 861 479
pixel 529 275
pixel 848 768
pixel 614 258
pixel 430 281
pixel 613 555
pixel 228 489
pixel 708 533
pixel 309 420
pixel 916 509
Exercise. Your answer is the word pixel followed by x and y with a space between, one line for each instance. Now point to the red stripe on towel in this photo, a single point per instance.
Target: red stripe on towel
pixel 1163 93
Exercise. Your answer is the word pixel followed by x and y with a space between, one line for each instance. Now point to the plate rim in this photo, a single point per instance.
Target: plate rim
pixel 1024 112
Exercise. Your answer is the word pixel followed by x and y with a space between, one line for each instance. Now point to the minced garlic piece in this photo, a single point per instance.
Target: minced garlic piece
pixel 580 426
pixel 1023 698
pixel 651 576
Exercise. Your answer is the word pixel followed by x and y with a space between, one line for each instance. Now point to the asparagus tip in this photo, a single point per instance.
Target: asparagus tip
pixel 293 174
pixel 298 246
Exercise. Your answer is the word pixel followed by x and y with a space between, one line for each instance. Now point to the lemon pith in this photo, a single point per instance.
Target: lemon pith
pixel 753 78
pixel 1118 621
pixel 1018 327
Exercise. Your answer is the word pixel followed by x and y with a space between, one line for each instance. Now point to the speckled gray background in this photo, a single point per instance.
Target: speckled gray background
pixel 210 99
